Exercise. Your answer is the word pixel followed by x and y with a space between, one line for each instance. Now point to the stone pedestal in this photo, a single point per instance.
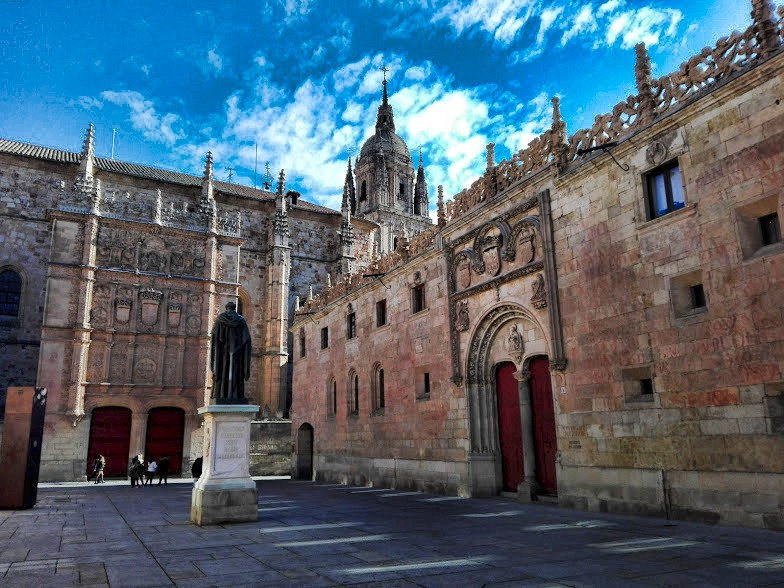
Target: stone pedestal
pixel 225 492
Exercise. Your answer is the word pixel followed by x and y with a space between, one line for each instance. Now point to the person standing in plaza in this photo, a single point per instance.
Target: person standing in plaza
pixel 152 468
pixel 163 471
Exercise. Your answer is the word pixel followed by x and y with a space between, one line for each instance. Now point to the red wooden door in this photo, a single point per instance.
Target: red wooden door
pixel 110 435
pixel 509 427
pixel 544 423
pixel 165 428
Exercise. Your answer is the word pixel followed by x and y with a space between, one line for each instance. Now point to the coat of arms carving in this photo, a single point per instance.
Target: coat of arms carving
pixel 464 273
pixel 151 302
pixel 491 254
pixel 122 310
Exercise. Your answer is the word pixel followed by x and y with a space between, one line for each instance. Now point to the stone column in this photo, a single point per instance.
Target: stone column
pixel 529 486
pixel 138 433
pixel 225 492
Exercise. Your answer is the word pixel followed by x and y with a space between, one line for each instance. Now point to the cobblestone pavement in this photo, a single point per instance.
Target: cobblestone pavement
pixel 311 534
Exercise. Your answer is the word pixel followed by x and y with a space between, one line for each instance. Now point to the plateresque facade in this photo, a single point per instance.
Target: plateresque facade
pixel 111 275
pixel 598 319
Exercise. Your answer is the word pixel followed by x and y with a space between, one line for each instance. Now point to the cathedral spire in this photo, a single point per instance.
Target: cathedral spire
pixel 385 120
pixel 420 190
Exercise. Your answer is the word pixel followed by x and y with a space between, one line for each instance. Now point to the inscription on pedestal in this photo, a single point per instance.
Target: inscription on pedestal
pixel 232 442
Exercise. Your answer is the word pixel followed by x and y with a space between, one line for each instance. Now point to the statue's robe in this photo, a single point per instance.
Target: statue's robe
pixel 230 357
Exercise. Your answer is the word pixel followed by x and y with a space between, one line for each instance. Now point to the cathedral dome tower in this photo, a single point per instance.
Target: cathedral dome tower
pixel 388 189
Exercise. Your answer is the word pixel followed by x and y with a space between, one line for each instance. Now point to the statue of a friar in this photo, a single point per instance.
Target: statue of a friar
pixel 230 357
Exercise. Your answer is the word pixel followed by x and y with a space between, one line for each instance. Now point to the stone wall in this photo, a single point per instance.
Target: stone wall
pixel 270 448
pixel 704 444
pixel 414 429
pixel 26 189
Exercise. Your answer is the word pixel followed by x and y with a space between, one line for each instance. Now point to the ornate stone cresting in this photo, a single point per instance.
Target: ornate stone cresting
pixel 87 197
pixel 729 56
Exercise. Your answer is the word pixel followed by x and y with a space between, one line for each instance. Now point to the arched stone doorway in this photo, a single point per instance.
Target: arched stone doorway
pixel 305 452
pixel 110 435
pixel 165 433
pixel 499 386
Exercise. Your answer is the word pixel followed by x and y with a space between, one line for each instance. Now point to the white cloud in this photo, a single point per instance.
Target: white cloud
pixel 144 117
pixel 583 23
pixel 501 19
pixel 645 25
pixel 89 103
pixel 214 60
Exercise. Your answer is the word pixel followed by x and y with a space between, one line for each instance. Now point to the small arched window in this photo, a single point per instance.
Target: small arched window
pixel 10 293
pixel 332 397
pixel 379 400
pixel 353 392
pixel 363 191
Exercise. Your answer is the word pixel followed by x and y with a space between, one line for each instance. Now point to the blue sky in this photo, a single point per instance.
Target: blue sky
pixel 301 79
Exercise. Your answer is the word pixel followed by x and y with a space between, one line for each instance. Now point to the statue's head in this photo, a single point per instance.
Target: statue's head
pixel 231 306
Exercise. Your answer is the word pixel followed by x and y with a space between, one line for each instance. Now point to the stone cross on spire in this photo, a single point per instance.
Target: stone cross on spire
pixel 385 119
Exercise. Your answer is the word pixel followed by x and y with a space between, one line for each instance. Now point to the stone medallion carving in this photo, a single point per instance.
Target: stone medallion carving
pixel 144 371
pixel 656 153
pixel 192 325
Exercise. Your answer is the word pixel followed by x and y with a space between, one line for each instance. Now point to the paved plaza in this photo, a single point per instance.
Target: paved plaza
pixel 312 534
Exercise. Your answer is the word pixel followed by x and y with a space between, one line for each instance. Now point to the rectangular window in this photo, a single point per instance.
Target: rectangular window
pixel 418 298
pixel 664 190
pixel 638 385
pixel 302 343
pixel 697 296
pixel 351 325
pixel 427 384
pixel 770 229
pixel 381 313
pixel 646 387
pixel 324 337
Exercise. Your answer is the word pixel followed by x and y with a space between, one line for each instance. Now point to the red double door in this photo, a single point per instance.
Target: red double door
pixel 510 425
pixel 110 436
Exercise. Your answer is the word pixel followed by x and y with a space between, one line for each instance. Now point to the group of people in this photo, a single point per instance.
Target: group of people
pixel 143 471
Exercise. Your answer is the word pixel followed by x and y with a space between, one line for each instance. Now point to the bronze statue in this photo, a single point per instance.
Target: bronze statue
pixel 230 357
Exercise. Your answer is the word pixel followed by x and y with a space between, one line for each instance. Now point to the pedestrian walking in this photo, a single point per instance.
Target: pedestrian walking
pixel 99 463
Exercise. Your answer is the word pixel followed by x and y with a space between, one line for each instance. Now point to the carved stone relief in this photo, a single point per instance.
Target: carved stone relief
pixel 144 371
pixel 463 321
pixel 539 298
pixel 150 304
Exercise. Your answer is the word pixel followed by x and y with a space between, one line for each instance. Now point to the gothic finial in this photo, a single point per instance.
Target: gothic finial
pixel 208 166
pixel 642 76
pixel 764 26
pixel 420 157
pixel 349 190
pixel 490 156
pixel 281 182
pixel 559 126
pixel 441 210
pixel 88 148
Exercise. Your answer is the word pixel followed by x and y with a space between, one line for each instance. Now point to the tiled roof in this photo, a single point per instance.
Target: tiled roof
pixel 146 172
